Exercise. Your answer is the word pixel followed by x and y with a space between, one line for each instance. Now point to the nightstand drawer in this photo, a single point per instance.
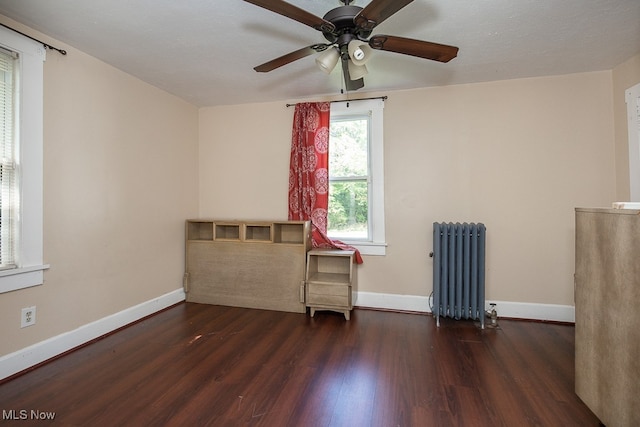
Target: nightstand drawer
pixel 328 295
pixel 333 300
pixel 336 290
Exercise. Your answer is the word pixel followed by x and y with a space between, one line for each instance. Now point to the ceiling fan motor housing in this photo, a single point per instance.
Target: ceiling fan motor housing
pixel 343 19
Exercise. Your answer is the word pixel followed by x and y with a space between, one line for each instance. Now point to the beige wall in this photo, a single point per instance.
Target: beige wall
pixel 517 155
pixel 120 177
pixel 244 161
pixel 625 76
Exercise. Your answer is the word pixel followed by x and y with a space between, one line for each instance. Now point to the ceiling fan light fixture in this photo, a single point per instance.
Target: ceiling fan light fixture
pixel 359 52
pixel 328 59
pixel 357 71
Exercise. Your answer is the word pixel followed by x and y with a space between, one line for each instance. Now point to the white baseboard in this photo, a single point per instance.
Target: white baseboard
pixel 535 311
pixel 20 360
pixel 392 301
pixel 516 310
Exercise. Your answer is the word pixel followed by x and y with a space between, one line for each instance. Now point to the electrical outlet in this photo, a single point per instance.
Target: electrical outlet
pixel 28 317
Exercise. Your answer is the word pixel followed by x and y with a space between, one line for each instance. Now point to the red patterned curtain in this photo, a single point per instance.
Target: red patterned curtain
pixel 309 172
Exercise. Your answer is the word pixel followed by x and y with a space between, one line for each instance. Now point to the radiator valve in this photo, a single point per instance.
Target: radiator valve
pixel 493 315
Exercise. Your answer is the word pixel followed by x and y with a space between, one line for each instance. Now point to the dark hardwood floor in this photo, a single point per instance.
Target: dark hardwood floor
pixel 199 365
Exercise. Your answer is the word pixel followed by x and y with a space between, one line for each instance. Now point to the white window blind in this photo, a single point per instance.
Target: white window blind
pixel 633 116
pixel 9 200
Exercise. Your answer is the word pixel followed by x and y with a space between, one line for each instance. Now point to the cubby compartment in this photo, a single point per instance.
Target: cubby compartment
pixel 329 267
pixel 199 230
pixel 258 233
pixel 227 231
pixel 293 233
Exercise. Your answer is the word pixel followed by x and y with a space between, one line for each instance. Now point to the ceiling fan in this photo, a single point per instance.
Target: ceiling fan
pixel 348 30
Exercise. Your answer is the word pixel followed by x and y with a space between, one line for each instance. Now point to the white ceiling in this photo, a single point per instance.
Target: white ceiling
pixel 204 51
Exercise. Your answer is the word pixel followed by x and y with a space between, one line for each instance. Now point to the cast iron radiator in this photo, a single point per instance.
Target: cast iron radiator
pixel 458 271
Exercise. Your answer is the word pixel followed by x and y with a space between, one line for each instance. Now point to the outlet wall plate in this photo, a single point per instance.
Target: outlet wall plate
pixel 28 316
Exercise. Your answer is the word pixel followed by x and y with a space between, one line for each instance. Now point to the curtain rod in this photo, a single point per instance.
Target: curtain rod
pixel 46 45
pixel 348 100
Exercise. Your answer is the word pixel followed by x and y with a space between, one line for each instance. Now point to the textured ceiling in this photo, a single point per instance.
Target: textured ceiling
pixel 204 51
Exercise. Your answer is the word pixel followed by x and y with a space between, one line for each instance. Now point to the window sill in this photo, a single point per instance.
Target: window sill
pixel 20 278
pixel 368 248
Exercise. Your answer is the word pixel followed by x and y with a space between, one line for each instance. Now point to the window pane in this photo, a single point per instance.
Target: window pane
pixel 348 152
pixel 356 168
pixel 348 209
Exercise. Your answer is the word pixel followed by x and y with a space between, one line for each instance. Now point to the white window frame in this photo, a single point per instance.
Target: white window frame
pixel 632 96
pixel 29 269
pixel 376 245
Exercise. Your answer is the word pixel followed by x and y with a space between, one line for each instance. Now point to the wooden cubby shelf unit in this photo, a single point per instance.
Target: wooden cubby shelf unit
pixel 252 264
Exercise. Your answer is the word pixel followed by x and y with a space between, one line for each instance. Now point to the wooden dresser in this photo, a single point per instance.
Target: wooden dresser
pixel 607 330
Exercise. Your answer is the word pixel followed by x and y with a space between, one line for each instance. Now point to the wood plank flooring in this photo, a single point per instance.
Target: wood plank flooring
pixel 205 365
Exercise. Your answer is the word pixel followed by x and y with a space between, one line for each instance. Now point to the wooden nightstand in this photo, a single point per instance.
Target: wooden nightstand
pixel 330 280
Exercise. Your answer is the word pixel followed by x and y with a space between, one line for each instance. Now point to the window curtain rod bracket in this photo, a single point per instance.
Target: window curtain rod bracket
pixel 46 45
pixel 384 98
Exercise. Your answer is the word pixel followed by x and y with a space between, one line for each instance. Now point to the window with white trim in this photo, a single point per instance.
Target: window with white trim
pixel 21 72
pixel 632 96
pixel 356 175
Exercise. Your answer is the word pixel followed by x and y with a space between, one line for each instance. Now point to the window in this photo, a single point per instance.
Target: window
pixel 348 216
pixel 9 200
pixel 356 175
pixel 633 116
pixel 21 103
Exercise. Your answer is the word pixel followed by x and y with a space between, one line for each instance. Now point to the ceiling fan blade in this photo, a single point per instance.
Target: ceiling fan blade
pixel 348 83
pixel 290 57
pixel 377 11
pixel 419 48
pixel 293 12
